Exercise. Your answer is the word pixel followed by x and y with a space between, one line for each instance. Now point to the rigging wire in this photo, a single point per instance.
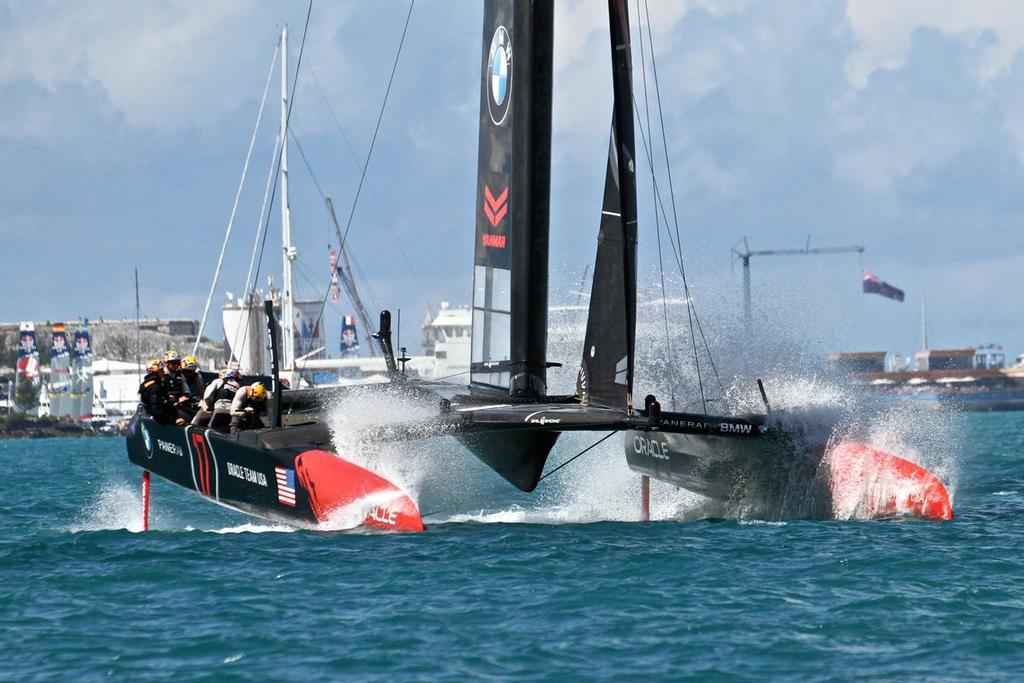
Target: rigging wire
pixel 672 197
pixel 305 162
pixel 373 141
pixel 691 311
pixel 454 374
pixel 676 255
pixel 365 282
pixel 585 450
pixel 583 280
pixel 349 254
pixel 234 207
pixel 567 462
pixel 373 194
pixel 308 278
pixel 657 224
pixel 256 245
pixel 271 172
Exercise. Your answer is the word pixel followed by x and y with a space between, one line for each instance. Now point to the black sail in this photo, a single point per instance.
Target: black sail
pixel 510 275
pixel 606 373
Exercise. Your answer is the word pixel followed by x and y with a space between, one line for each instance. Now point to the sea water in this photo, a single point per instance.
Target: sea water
pixel 561 584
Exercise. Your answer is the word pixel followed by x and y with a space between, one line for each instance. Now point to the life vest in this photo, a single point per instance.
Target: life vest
pixel 226 391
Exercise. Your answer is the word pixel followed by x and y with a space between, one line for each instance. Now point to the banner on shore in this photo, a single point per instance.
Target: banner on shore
pixel 349 336
pixel 28 353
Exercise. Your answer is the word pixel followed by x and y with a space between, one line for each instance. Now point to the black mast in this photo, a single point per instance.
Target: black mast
pixel 275 365
pixel 510 276
pixel 606 373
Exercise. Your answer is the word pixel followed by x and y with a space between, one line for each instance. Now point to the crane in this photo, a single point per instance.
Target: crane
pixel 746 252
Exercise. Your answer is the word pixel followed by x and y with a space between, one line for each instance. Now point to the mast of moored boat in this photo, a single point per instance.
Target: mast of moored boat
pixel 288 251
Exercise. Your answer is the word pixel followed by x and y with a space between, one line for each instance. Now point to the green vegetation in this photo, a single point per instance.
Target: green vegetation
pixel 26 396
pixel 8 352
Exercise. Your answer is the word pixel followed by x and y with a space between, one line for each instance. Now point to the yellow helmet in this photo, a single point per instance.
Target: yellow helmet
pixel 190 362
pixel 153 365
pixel 172 356
pixel 259 392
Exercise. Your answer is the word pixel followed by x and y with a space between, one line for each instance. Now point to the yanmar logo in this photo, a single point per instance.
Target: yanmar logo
pixel 496 241
pixel 495 208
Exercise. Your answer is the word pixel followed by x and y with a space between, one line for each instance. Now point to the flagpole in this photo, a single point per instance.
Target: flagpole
pixel 924 321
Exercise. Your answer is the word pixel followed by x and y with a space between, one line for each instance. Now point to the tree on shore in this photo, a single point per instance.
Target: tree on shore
pixel 26 396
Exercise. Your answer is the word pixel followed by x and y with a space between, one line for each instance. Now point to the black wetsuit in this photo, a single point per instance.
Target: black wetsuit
pixel 195 386
pixel 153 395
pixel 175 388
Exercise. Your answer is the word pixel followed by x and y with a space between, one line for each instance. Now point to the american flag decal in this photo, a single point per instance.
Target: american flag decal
pixel 285 486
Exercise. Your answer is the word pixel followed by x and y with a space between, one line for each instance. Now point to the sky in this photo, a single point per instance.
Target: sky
pixel 124 127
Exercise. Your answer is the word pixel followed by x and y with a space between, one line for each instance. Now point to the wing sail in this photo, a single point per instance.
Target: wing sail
pixel 606 371
pixel 510 274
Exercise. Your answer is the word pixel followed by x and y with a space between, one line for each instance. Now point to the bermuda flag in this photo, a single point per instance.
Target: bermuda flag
pixel 876 285
pixel 285 486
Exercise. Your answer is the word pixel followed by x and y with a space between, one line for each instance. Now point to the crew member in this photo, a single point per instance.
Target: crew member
pixel 249 402
pixel 215 406
pixel 174 385
pixel 193 381
pixel 153 396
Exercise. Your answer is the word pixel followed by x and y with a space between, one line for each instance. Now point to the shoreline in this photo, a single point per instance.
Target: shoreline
pixel 23 427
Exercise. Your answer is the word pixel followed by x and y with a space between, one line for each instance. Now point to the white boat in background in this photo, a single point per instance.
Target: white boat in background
pixel 447 338
pixel 304 344
pixel 446 341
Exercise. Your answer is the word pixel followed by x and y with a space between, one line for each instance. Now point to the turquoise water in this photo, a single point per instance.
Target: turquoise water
pixel 211 594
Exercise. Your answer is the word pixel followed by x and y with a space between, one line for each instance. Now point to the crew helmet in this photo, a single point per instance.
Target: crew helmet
pixel 231 373
pixel 154 365
pixel 259 392
pixel 190 362
pixel 172 356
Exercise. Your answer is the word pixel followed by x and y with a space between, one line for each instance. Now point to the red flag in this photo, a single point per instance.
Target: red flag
pixel 875 285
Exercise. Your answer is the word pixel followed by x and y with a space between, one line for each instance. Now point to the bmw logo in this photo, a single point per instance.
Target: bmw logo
pixel 147 440
pixel 499 70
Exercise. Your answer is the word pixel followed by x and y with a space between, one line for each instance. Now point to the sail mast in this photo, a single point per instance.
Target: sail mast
pixel 606 371
pixel 288 251
pixel 622 83
pixel 510 274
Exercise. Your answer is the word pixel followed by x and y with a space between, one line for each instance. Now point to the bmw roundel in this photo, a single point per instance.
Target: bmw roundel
pixel 147 440
pixel 499 70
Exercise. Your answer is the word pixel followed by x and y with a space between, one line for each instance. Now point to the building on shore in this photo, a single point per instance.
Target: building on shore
pixel 965 379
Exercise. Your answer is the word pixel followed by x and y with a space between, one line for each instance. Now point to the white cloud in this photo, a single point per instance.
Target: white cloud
pixel 917 118
pixel 884 138
pixel 582 71
pixel 167 66
pixel 884 31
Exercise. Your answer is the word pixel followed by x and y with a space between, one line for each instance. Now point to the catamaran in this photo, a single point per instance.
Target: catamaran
pixel 505 416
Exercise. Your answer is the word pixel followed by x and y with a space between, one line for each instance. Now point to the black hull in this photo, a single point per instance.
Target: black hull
pixel 238 472
pixel 769 476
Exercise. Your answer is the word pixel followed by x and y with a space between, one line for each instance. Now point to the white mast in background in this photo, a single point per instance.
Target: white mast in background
pixel 289 252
